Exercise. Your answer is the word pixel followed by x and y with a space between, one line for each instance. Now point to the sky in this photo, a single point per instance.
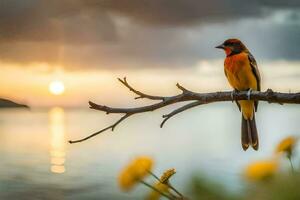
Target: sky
pixel 87 44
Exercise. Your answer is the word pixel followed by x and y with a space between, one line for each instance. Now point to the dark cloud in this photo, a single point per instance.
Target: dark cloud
pixel 142 33
pixel 89 20
pixel 178 12
pixel 53 21
pixel 188 12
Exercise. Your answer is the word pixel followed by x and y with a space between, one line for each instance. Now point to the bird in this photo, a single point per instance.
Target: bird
pixel 242 73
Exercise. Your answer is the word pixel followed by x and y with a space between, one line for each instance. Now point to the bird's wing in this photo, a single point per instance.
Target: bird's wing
pixel 255 71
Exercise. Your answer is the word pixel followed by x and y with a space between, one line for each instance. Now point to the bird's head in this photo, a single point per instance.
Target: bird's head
pixel 232 46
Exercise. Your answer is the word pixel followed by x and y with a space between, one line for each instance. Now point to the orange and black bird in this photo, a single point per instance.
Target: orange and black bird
pixel 242 73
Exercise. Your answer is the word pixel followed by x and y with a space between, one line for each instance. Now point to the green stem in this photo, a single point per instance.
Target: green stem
pixel 155 189
pixel 156 177
pixel 168 184
pixel 174 189
pixel 292 166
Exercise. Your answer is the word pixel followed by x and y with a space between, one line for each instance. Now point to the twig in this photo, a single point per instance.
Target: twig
pixel 187 95
pixel 179 110
pixel 140 94
pixel 112 127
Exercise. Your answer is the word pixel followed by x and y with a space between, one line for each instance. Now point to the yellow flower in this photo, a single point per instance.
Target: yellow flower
pixel 167 175
pixel 126 179
pixel 142 166
pixel 134 172
pixel 154 195
pixel 261 170
pixel 287 145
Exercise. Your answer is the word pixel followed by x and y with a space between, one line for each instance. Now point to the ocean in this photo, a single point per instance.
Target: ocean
pixel 37 162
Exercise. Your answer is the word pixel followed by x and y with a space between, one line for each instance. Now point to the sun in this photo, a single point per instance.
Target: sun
pixel 56 87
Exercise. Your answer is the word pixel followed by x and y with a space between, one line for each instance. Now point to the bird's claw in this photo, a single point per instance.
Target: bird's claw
pixel 249 94
pixel 232 95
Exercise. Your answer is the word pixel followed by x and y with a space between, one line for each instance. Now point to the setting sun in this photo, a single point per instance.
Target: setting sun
pixel 56 87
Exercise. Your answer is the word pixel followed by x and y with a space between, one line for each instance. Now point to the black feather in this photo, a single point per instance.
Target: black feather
pixel 255 71
pixel 249 134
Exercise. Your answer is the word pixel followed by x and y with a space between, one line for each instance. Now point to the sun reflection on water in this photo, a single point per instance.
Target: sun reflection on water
pixel 57 149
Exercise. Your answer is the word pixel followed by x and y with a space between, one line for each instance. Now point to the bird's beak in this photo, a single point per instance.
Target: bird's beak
pixel 220 46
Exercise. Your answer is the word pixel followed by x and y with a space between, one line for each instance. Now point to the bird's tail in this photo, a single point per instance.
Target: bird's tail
pixel 249 133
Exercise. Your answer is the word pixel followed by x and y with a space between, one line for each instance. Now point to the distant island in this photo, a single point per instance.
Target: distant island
pixel 5 103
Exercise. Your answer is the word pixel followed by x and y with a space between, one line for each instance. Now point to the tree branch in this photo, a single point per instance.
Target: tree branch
pixel 185 96
pixel 179 110
pixel 112 127
pixel 140 94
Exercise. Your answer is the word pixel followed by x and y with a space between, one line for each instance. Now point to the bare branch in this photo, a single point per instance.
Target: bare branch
pixel 140 94
pixel 183 89
pixel 179 110
pixel 187 95
pixel 112 127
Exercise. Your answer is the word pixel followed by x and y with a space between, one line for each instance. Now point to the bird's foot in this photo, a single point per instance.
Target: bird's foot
pixel 249 94
pixel 233 94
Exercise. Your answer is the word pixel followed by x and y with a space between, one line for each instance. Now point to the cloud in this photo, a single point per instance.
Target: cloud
pixel 180 12
pixel 82 34
pixel 53 21
pixel 187 12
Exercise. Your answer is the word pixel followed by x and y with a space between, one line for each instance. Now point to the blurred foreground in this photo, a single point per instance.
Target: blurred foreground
pixel 38 163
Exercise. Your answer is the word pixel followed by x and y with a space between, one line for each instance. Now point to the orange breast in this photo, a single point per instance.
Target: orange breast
pixel 234 63
pixel 239 73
